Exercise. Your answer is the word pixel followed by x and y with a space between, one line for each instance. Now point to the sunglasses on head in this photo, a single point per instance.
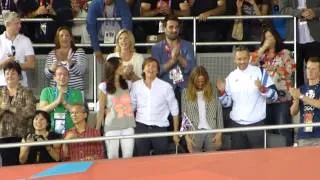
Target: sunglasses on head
pixel 13 50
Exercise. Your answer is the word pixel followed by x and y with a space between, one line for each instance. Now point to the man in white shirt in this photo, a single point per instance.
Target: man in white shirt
pixel 246 89
pixel 307 13
pixel 15 47
pixel 153 99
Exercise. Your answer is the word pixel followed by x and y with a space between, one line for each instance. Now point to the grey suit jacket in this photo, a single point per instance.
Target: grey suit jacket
pixel 289 7
pixel 213 111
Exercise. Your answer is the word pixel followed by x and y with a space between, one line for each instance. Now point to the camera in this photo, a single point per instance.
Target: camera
pixel 36 137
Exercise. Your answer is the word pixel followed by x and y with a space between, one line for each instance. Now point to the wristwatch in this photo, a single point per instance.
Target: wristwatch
pixel 301 96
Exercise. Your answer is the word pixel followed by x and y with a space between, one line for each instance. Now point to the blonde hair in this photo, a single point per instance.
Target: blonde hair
pixel 9 16
pixel 131 38
pixel 191 88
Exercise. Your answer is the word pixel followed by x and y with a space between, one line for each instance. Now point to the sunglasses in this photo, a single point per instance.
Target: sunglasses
pixel 13 50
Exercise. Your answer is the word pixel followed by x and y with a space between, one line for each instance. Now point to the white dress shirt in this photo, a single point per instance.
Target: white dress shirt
pixel 154 104
pixel 303 28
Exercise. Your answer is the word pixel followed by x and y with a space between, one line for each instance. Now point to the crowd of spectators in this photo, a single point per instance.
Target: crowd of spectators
pixel 158 93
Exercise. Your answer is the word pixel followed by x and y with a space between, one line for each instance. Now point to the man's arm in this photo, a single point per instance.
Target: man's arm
pixel 294 109
pixel 223 90
pixel 44 102
pixel 125 14
pixel 266 86
pixel 184 9
pixel 157 54
pixel 287 9
pixel 219 10
pixel 29 62
pixel 174 109
pixel 92 24
pixel 145 10
pixel 5 60
pixel 188 61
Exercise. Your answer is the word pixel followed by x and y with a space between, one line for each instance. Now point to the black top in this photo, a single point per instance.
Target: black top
pixel 39 154
pixel 152 27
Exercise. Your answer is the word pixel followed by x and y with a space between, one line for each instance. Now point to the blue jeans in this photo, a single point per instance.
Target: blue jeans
pixel 279 113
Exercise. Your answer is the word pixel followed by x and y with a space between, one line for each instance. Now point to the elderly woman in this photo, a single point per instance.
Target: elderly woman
pixel 125 50
pixel 65 53
pixel 40 154
pixel 17 109
pixel 199 103
pixel 15 47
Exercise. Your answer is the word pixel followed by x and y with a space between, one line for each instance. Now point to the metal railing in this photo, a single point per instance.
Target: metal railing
pixel 164 134
pixel 195 44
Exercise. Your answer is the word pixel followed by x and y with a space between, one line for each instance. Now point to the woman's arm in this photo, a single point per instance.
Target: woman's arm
pixel 79 66
pixel 24 152
pixel 54 152
pixel 102 105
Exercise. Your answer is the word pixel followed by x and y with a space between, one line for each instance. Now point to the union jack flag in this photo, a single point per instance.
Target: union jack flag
pixel 186 124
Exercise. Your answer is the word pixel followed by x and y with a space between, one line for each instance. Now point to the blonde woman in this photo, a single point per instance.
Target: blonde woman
pixel 124 49
pixel 200 104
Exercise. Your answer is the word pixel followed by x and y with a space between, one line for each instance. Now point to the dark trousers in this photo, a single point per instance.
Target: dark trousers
pixel 159 145
pixel 10 156
pixel 247 139
pixel 277 114
pixel 304 51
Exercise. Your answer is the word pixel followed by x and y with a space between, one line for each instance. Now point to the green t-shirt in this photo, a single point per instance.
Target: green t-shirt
pixel 72 96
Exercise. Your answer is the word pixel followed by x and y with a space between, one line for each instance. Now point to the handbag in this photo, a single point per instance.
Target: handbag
pixel 237 30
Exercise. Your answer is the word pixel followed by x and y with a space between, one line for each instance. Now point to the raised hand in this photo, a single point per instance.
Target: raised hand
pixel 239 3
pixel 221 85
pixel 295 93
pixel 203 16
pixel 258 83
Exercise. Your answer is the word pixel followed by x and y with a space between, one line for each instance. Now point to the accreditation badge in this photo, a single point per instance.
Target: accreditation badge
pixel 110 33
pixel 308 117
pixel 59 123
pixel 176 75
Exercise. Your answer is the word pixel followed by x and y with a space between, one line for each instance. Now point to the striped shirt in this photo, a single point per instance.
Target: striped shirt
pixel 77 71
pixel 85 151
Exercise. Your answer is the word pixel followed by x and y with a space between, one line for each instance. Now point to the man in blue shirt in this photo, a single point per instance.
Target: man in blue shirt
pixel 306 100
pixel 175 55
pixel 98 29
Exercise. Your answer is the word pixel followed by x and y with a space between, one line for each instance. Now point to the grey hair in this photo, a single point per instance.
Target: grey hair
pixel 9 16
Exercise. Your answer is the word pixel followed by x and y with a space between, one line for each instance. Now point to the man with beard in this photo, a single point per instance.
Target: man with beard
pixel 175 56
pixel 246 90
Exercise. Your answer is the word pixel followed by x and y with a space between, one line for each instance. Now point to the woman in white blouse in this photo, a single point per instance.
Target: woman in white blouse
pixel 124 49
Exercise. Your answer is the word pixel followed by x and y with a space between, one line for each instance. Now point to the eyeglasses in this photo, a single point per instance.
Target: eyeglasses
pixel 13 50
pixel 76 112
